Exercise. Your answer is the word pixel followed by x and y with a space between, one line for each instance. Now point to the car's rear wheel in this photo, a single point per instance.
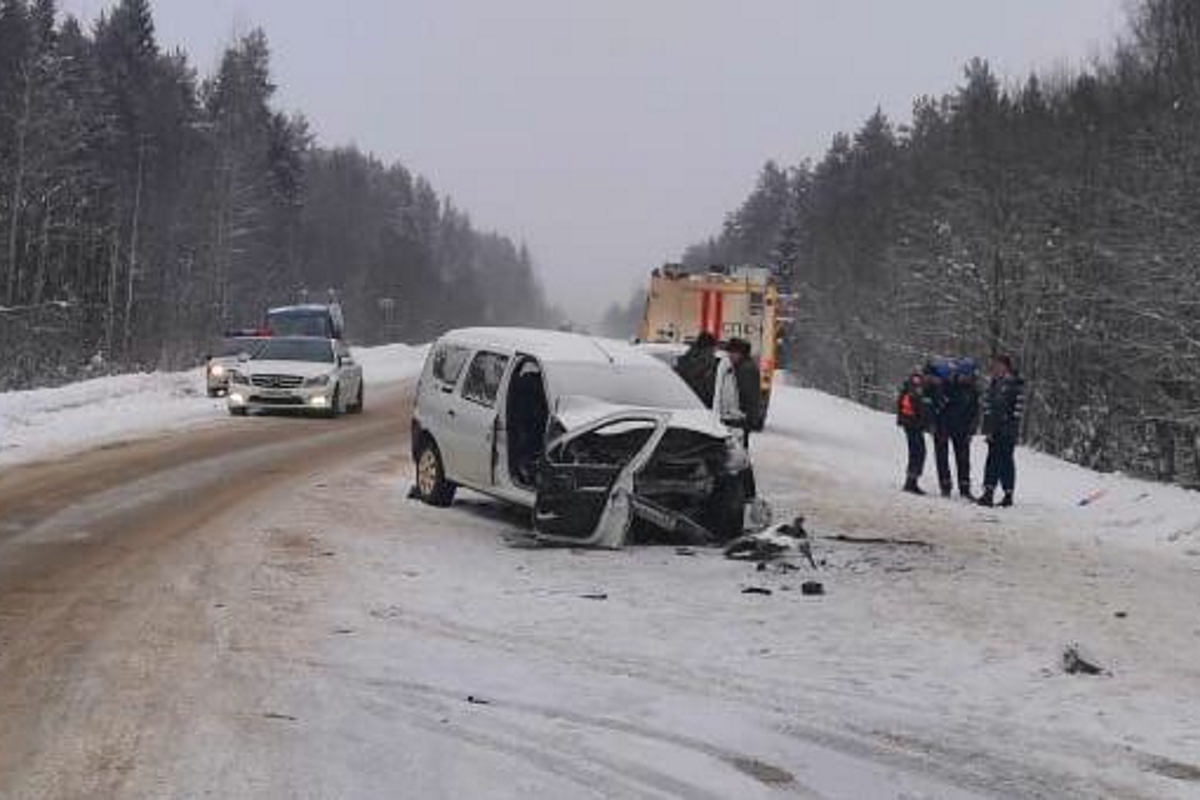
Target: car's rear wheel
pixel 432 486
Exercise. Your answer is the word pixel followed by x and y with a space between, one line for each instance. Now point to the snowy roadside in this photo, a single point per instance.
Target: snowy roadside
pixel 848 444
pixel 42 423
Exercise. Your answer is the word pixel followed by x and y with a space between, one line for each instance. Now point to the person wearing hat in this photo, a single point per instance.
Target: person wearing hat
pixel 749 386
pixel 957 421
pixel 914 415
pixel 698 367
pixel 1003 411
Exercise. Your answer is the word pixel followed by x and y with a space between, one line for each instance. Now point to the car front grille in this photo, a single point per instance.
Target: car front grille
pixel 276 401
pixel 277 381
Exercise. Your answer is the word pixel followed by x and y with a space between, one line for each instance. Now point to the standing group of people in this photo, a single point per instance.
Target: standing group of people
pixel 699 369
pixel 944 399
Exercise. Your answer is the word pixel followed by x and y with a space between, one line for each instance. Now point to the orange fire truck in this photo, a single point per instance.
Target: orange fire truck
pixel 735 302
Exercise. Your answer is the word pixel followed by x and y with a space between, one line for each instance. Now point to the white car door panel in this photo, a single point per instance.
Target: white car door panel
pixel 469 439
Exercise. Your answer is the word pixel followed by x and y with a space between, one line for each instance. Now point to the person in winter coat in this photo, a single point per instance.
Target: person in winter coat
pixel 749 386
pixel 1003 410
pixel 698 367
pixel 957 421
pixel 914 414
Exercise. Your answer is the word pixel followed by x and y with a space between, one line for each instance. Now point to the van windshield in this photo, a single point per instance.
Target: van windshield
pixel 643 385
pixel 300 322
pixel 233 347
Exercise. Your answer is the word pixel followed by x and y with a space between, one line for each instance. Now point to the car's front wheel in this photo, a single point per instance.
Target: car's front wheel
pixel 335 404
pixel 432 486
pixel 726 509
pixel 357 406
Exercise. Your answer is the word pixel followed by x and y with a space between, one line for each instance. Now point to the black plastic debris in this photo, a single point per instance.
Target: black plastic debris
pixel 477 701
pixel 778 541
pixel 812 588
pixel 594 596
pixel 277 716
pixel 1076 662
pixel 756 590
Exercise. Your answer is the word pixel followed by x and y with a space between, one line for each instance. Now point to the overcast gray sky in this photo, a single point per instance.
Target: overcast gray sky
pixel 610 134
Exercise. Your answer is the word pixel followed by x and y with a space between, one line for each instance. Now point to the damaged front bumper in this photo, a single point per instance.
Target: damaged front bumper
pixel 632 471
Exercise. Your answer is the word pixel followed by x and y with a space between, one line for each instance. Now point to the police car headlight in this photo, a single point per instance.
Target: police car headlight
pixel 320 380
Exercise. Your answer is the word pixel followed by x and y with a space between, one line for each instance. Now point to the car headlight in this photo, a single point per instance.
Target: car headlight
pixel 736 457
pixel 217 370
pixel 320 380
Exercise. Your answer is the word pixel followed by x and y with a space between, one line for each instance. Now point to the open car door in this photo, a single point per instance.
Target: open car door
pixel 585 484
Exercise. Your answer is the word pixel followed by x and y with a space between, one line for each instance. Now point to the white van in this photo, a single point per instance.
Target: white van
pixel 596 436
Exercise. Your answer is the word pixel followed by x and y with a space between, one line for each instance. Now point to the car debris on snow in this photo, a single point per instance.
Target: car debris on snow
pixel 756 590
pixel 277 716
pixel 1076 661
pixel 884 540
pixel 478 701
pixel 778 541
pixel 594 596
pixel 812 588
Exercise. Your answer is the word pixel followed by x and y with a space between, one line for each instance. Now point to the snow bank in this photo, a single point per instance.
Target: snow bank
pixel 848 442
pixel 45 422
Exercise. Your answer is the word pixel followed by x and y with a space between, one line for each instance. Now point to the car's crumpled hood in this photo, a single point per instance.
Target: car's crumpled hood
pixel 305 369
pixel 577 411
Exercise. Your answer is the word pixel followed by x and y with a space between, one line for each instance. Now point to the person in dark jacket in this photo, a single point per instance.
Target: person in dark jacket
pixel 1003 410
pixel 914 414
pixel 698 367
pixel 957 421
pixel 749 386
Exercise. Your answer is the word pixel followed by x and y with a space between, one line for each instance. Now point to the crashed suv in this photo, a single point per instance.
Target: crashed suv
pixel 602 441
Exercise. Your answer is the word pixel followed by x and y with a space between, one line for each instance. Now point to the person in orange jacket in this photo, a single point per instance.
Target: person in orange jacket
pixel 914 414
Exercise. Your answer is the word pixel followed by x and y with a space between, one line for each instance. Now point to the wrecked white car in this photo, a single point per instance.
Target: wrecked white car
pixel 602 441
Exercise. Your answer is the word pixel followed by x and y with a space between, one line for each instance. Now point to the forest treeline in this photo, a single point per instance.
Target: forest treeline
pixel 1056 218
pixel 144 209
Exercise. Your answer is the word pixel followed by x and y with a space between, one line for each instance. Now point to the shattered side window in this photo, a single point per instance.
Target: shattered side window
pixel 448 363
pixel 482 383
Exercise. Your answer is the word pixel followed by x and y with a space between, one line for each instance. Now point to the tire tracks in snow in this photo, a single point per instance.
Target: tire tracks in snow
pixel 900 745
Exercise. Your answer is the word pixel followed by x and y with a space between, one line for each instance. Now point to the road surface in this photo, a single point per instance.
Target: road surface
pixel 254 609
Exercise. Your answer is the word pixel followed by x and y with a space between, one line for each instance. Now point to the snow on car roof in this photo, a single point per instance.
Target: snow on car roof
pixel 552 345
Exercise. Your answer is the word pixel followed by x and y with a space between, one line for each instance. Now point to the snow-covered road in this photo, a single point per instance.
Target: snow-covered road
pixel 252 608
